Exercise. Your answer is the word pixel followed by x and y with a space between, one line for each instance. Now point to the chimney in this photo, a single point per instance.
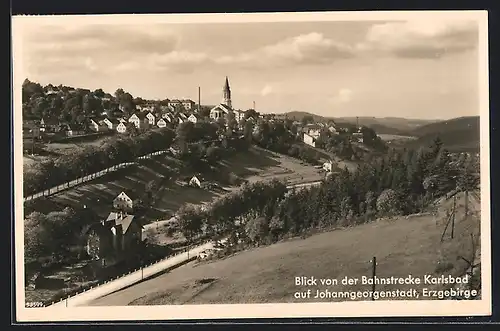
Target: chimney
pixel 254 106
pixel 199 99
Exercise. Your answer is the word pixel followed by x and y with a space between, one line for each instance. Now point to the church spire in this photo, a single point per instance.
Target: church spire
pixel 226 94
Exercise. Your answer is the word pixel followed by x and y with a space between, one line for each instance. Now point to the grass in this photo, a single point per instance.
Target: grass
pixel 99 193
pixel 402 246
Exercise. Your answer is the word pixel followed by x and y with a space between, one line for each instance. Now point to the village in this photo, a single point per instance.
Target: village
pixel 122 233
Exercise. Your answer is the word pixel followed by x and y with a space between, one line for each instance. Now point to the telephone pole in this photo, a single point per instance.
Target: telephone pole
pixel 199 99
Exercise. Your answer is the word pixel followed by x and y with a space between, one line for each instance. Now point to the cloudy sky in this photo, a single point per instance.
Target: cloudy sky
pixel 415 69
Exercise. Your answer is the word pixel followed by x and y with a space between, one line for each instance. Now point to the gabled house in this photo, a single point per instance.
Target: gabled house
pixel 309 140
pixel 111 124
pixel 119 234
pixel 194 118
pixel 121 127
pixel 161 123
pixel 174 104
pixel 168 117
pixel 136 120
pixel 196 181
pixel 328 166
pixel 180 120
pixel 239 115
pixel 151 118
pixel 219 111
pixel 124 201
pixel 183 116
pixel 49 124
pixel 97 126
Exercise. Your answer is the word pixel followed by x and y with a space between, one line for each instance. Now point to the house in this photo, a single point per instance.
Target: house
pixel 49 124
pixel 124 201
pixel 70 131
pixel 121 127
pixel 332 129
pixel 188 104
pixel 97 126
pixel 110 124
pixel 196 181
pixel 219 111
pixel 328 166
pixel 358 137
pixel 161 123
pixel 309 140
pixel 151 118
pixel 183 116
pixel 167 116
pixel 239 115
pixel 136 120
pixel 118 234
pixel 181 120
pixel 194 118
pixel 174 104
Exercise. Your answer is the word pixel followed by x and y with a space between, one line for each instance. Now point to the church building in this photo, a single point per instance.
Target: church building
pixel 222 109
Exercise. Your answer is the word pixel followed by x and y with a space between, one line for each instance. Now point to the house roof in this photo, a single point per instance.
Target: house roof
pixel 222 107
pixel 130 194
pixel 118 219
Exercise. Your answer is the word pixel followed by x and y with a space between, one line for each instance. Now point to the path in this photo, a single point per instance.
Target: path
pixel 130 279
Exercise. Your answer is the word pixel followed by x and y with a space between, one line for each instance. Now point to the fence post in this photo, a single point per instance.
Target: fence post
pixel 374 270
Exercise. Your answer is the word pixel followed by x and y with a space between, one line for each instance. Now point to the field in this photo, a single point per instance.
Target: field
pixel 58 148
pixel 98 194
pixel 402 246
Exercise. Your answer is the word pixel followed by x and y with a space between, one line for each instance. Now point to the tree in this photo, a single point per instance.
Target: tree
pixel 190 220
pixel 257 229
pixel 387 202
pixel 307 119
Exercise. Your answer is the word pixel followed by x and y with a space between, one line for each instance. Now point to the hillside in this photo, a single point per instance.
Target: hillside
pixel 266 274
pixel 458 134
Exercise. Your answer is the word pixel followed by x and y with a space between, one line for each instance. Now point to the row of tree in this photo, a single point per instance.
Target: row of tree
pixel 402 182
pixel 92 159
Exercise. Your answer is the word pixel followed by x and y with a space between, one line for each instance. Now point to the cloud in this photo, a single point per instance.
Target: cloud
pixel 266 90
pixel 421 39
pixel 312 48
pixel 179 58
pixel 103 38
pixel 343 95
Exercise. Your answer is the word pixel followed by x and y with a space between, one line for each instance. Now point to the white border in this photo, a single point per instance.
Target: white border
pixel 344 309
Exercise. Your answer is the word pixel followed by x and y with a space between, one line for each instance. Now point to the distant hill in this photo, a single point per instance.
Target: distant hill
pixel 299 115
pixel 389 125
pixel 458 134
pixel 383 125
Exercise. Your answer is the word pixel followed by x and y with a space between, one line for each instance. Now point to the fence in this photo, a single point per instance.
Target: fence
pixel 84 179
pixel 154 269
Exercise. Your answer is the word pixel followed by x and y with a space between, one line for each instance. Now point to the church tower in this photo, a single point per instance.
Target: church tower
pixel 226 94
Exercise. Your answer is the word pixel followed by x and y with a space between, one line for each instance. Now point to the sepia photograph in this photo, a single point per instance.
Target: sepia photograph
pixel 209 166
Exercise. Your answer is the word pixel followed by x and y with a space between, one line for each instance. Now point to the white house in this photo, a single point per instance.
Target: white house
pixel 358 136
pixel 183 116
pixel 108 122
pixel 151 118
pixel 239 115
pixel 219 111
pixel 123 201
pixel 311 141
pixel 97 127
pixel 195 181
pixel 188 104
pixel 173 104
pixel 333 130
pixel 193 118
pixel 161 123
pixel 181 120
pixel 167 117
pixel 121 127
pixel 136 120
pixel 327 166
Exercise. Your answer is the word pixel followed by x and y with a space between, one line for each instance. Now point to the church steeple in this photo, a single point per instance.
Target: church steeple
pixel 226 94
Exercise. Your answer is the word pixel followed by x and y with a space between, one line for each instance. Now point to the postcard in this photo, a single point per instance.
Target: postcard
pixel 260 165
